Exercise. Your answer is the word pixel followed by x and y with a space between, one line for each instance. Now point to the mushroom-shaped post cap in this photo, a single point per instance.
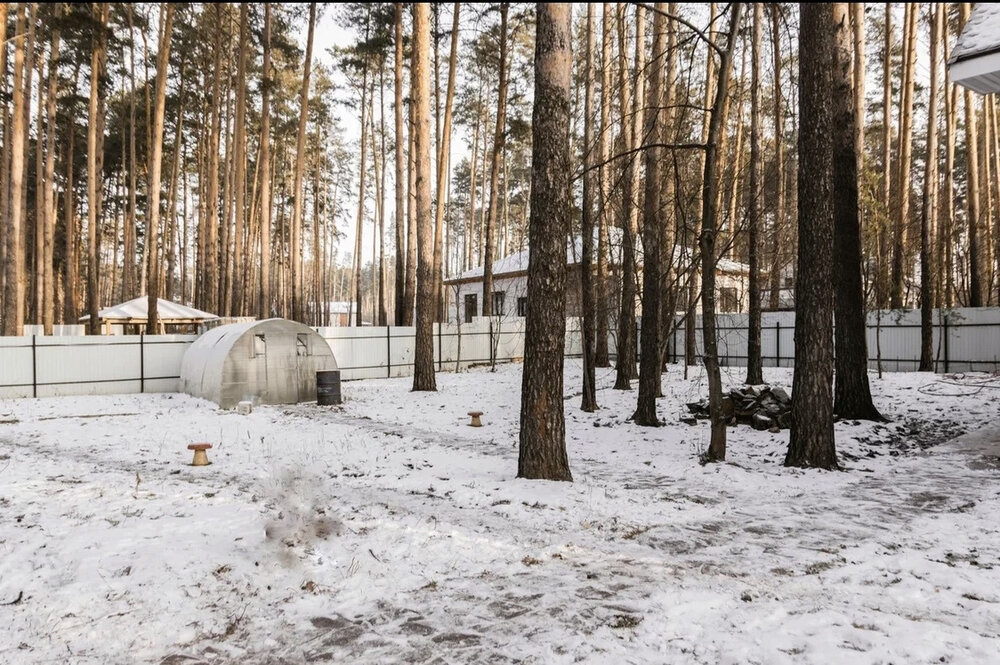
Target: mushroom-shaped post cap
pixel 200 457
pixel 476 422
pixel 475 414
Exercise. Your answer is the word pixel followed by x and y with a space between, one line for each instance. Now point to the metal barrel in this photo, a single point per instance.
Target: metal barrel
pixel 328 387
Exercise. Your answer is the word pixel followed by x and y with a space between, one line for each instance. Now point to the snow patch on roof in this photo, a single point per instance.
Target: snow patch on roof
pixel 981 33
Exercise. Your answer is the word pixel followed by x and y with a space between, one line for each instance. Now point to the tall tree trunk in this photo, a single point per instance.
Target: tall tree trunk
pixel 928 217
pixel 945 256
pixel 542 451
pixel 710 84
pixel 588 401
pixel 604 215
pixel 14 284
pixel 235 268
pixel 710 223
pixel 653 223
pixel 400 183
pixel 361 199
pixel 625 369
pixel 774 288
pixel 129 277
pixel 811 443
pixel 498 146
pixel 755 369
pixel 883 260
pixel 155 166
pixel 411 222
pixel 852 394
pixel 71 249
pixel 900 264
pixel 379 167
pixel 264 300
pixel 976 281
pixel 210 281
pixel 48 254
pixel 443 157
pixel 94 180
pixel 423 357
pixel 4 157
pixel 298 312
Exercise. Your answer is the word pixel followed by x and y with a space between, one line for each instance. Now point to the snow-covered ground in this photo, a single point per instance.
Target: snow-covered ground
pixel 389 531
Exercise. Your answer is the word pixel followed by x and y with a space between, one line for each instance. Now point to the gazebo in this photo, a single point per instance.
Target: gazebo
pixel 135 313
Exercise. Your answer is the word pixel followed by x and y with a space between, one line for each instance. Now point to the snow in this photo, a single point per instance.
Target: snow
pixel 389 531
pixel 981 33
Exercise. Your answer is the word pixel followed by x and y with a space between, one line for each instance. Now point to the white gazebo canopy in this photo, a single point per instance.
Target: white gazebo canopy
pixel 136 311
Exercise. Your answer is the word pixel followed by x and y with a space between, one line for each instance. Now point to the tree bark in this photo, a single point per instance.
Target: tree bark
pixel 358 317
pixel 945 261
pixel 755 369
pixel 928 217
pixel 653 222
pixel 812 442
pixel 710 223
pixel 604 218
pixel 15 274
pixel 976 280
pixel 852 393
pixel 588 401
pixel 210 281
pixel 94 180
pixel 542 452
pixel 443 159
pixel 400 184
pixel 423 357
pixel 498 143
pixel 264 299
pixel 774 289
pixel 883 259
pixel 48 254
pixel 900 264
pixel 625 365
pixel 298 310
pixel 156 165
pixel 236 270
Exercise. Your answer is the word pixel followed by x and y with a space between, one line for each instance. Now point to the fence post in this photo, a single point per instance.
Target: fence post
pixel 440 351
pixel 945 333
pixel 34 367
pixel 388 354
pixel 142 364
pixel 777 343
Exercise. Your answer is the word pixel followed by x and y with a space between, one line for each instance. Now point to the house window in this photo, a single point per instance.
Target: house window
pixel 498 303
pixel 728 302
pixel 302 344
pixel 471 307
pixel 259 345
pixel 522 306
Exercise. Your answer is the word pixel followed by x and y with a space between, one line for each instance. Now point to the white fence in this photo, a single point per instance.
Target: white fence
pixel 37 366
pixel 964 340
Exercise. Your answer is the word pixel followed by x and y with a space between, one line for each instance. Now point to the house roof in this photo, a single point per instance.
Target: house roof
pixel 975 58
pixel 137 311
pixel 517 264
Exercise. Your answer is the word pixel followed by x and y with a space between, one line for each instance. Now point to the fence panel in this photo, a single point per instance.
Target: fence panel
pixel 964 340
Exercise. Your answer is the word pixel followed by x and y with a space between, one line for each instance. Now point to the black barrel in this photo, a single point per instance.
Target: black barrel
pixel 328 387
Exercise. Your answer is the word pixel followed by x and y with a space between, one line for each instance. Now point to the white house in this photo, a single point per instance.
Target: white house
pixel 975 59
pixel 510 285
